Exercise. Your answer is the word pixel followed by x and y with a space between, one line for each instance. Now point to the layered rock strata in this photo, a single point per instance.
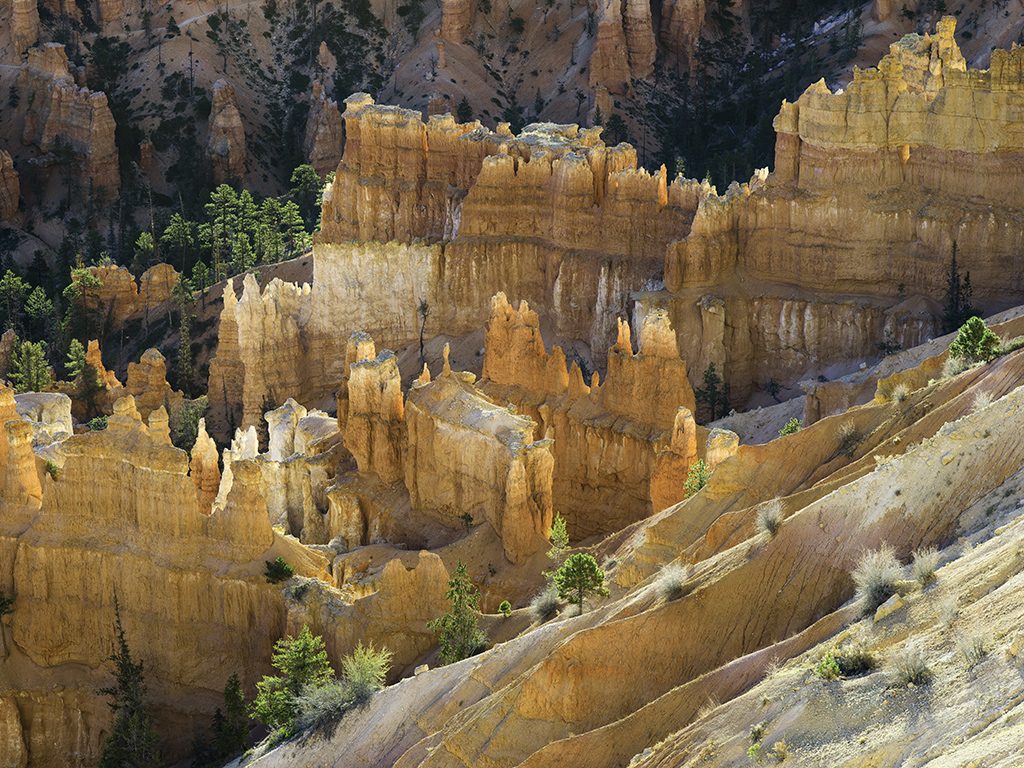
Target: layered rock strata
pixel 119 297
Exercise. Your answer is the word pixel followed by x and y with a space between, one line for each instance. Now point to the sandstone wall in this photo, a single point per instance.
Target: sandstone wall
pixel 58 110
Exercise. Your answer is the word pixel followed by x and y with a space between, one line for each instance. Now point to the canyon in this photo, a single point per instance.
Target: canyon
pixel 727 398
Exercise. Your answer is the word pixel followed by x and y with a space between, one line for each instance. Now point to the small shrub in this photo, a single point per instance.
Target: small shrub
pixel 828 668
pixel 98 424
pixel 973 647
pixel 754 753
pixel 322 705
pixel 982 400
pixel 779 751
pixel 849 439
pixel 900 393
pixel 876 577
pixel 52 470
pixel 769 518
pixel 545 604
pixel 974 342
pixel 1011 345
pixel 365 671
pixel 696 477
pixel 6 604
pixel 910 667
pixel 671 582
pixel 505 608
pixel 946 610
pixel 926 562
pixel 278 570
pixel 756 733
pixel 954 366
pixel 790 427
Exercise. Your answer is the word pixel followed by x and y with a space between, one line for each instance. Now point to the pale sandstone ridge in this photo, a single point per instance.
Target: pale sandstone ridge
pixel 56 110
pixel 619 446
pixel 325 135
pixel 10 189
pixel 624 49
pixel 627 679
pixel 225 145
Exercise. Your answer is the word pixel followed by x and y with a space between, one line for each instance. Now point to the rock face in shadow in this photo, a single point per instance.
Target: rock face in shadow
pixel 225 145
pixel 61 118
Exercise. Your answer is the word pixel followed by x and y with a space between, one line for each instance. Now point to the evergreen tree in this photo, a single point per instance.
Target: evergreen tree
pixel 201 279
pixel 75 363
pixel 13 292
pixel 178 242
pixel 145 251
pixel 305 193
pixel 132 743
pixel 463 111
pixel 956 306
pixel 559 540
pixel 30 371
pixel 975 342
pixel 81 321
pixel 39 272
pixel 39 314
pixel 231 728
pixel 183 367
pixel 714 394
pixel 302 661
pixel 579 577
pixel 458 631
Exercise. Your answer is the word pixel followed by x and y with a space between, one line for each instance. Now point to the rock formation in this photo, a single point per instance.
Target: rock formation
pixel 468 456
pixel 10 190
pixel 607 436
pixel 204 469
pixel 225 145
pixel 147 384
pixel 325 135
pixel 457 19
pixel 49 413
pixel 59 113
pixel 624 49
pixel 118 297
pixel 21 19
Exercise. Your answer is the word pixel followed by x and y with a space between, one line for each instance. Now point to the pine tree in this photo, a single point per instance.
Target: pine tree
pixel 305 193
pixel 231 725
pixel 178 242
pixel 132 743
pixel 579 577
pixel 463 111
pixel 13 292
pixel 183 367
pixel 29 369
pixel 458 631
pixel 145 251
pixel 957 306
pixel 302 660
pixel 714 394
pixel 75 363
pixel 39 313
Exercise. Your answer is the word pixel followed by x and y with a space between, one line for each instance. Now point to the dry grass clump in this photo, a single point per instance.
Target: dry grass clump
pixel 545 604
pixel 973 647
pixel 926 562
pixel 671 582
pixel 769 518
pixel 954 366
pixel 849 439
pixel 981 400
pixel 910 667
pixel 876 577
